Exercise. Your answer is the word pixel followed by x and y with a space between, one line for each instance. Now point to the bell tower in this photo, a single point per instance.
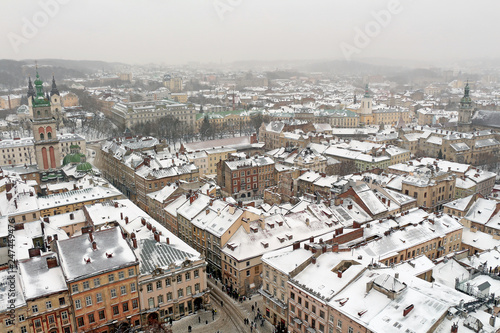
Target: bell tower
pixel 465 110
pixel 366 108
pixel 47 147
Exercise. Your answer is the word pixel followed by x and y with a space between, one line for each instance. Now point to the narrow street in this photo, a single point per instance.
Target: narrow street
pixel 229 318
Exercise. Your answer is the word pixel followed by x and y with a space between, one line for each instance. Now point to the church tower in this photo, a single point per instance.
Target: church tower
pixel 465 110
pixel 366 109
pixel 55 103
pixel 47 147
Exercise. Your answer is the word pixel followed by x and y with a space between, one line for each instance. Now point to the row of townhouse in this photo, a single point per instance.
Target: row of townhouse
pixel 304 285
pixel 124 270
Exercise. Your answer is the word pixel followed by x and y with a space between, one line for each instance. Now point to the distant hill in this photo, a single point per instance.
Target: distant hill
pixel 14 74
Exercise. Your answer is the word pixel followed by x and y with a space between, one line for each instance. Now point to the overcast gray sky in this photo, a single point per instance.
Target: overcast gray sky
pixel 175 32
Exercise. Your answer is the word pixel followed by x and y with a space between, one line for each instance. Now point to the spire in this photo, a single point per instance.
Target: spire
pixel 31 90
pixel 466 90
pixel 54 90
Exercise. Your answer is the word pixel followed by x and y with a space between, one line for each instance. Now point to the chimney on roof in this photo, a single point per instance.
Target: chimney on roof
pixel 207 211
pixel 34 252
pixel 56 237
pixel 149 226
pixel 389 203
pixel 349 206
pixel 240 203
pixel 191 199
pixel 51 262
pixel 116 204
pixel 313 260
pixel 454 328
pixel 87 261
pixel 157 237
pixel 296 246
pixel 339 274
pixel 71 216
pixel 91 236
pixel 121 215
pixel 15 203
pixel 407 310
pixel 46 219
pixel 126 219
pixel 168 240
pixel 311 239
pixel 94 246
pixel 134 243
pixel 143 221
pixel 109 255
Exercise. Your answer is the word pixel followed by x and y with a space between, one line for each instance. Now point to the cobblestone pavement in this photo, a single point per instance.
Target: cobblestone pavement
pixel 225 321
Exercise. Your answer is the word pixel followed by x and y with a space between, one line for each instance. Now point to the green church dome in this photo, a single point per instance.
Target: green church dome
pixel 72 158
pixel 84 167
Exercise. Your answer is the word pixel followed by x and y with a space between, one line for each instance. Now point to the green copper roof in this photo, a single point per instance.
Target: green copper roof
pixel 72 158
pixel 84 167
pixel 40 99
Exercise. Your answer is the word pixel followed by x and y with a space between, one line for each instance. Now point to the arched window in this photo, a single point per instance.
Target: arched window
pixel 49 135
pixel 42 137
pixel 38 112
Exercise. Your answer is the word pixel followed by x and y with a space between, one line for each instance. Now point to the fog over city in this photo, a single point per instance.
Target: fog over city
pixel 418 33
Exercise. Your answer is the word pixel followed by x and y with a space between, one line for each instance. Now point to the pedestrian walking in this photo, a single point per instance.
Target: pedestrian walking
pixel 189 328
pixel 199 320
pixel 253 308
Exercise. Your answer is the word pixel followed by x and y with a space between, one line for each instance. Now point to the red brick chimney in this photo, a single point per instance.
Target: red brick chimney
pixel 34 252
pixel 134 243
pixel 51 262
pixel 407 310
pixel 94 246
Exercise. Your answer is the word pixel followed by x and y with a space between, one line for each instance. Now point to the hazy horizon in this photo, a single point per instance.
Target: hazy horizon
pixel 222 31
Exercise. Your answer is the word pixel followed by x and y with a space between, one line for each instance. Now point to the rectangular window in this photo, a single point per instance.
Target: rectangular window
pixel 188 276
pixel 91 318
pixel 78 304
pixel 98 297
pixel 79 321
pixel 121 275
pixel 158 284
pixel 125 306
pixel 135 304
pixel 123 290
pixel 113 293
pixel 74 288
pixel 64 315
pixel 102 316
pixel 116 311
pixel 188 290
pixel 86 285
pixel 169 296
pixel 131 272
pixel 132 287
pixel 111 277
pixel 48 305
pixel 88 300
pixel 97 282
pixel 180 293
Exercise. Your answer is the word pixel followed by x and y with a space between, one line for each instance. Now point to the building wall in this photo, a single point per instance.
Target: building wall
pixel 117 307
pixel 173 293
